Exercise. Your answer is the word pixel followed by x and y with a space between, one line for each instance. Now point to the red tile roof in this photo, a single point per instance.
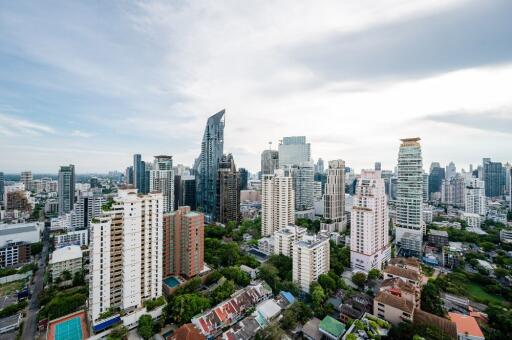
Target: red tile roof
pixel 466 325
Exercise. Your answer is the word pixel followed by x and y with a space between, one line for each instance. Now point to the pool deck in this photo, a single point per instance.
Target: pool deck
pixel 81 314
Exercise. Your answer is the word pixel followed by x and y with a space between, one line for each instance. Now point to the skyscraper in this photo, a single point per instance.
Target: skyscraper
pixel 294 150
pixel 66 189
pixel 183 243
pixel 2 187
pixel 277 202
pixel 26 178
pixel 139 173
pixel 425 187
pixel 494 177
pixel 303 186
pixel 319 166
pixel 128 175
pixel 451 170
pixel 334 196
pixel 378 166
pixel 244 178
pixel 269 162
pixel 228 191
pixel 88 206
pixel 409 201
pixel 161 179
pixel 436 176
pixel 369 240
pixel 126 253
pixel 207 165
pixel 475 197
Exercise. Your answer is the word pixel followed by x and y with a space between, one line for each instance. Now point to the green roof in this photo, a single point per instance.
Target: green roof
pixel 332 326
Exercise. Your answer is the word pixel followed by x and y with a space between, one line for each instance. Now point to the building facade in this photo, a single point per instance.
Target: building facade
pixel 334 196
pixel 277 202
pixel 294 150
pixel 303 186
pixel 228 191
pixel 161 179
pixel 494 176
pixel 66 189
pixel 26 178
pixel 285 238
pixel 269 162
pixel 475 197
pixel 311 258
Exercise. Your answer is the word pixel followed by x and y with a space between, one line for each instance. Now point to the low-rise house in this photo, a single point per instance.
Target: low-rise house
pixel 187 332
pixel 467 327
pixel 407 274
pixel 331 328
pixel 400 288
pixel 411 263
pixel 393 308
pixel 438 238
pixel 311 330
pixel 355 307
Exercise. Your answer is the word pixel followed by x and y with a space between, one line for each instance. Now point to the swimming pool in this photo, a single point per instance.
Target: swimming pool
pixel 172 282
pixel 69 330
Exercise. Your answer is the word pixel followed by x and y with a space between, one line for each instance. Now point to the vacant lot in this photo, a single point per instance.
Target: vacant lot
pixel 477 292
pixel 11 287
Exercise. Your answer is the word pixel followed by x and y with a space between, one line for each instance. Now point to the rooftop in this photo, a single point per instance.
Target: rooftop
pixel 402 272
pixel 332 326
pixel 466 325
pixel 187 332
pixel 395 301
pixel 435 232
pixel 18 230
pixel 446 326
pixel 311 329
pixel 66 253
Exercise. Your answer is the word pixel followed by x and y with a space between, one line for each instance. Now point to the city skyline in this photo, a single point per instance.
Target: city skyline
pixel 353 80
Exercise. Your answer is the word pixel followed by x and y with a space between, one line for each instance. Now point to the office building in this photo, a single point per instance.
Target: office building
pixel 187 192
pixel 66 189
pixel 65 259
pixel 369 230
pixel 244 178
pixel 294 150
pixel 26 178
pixel 319 166
pixel 334 197
pixel 140 182
pixel 303 186
pixel 435 179
pixel 183 243
pixel 128 175
pixel 269 162
pixel 88 206
pixel 475 197
pixel 451 170
pixel 126 253
pixel 311 258
pixel 409 201
pixel 494 176
pixel 285 238
pixel 377 166
pixel 453 191
pixel 161 179
pixel 317 191
pixel 228 191
pixel 277 202
pixel 206 167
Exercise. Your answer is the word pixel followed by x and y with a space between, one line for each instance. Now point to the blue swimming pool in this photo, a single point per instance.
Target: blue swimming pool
pixel 172 282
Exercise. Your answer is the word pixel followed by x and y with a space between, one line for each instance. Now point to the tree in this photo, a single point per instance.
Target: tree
pixel 183 307
pixel 222 292
pixel 36 248
pixel 78 279
pixel 66 275
pixel 359 279
pixel 487 246
pixel 317 294
pixel 270 275
pixel 145 327
pixel 118 332
pixel 297 312
pixel 373 274
pixel 235 274
pixel 431 300
pixel 327 283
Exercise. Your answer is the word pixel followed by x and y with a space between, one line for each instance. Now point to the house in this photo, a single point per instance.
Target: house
pixel 187 332
pixel 467 327
pixel 438 238
pixel 400 288
pixel 253 273
pixel 355 307
pixel 331 328
pixel 393 308
pixel 407 274
pixel 311 330
pixel 411 263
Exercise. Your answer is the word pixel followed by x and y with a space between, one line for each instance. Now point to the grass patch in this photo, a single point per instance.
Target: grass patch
pixel 11 287
pixel 476 292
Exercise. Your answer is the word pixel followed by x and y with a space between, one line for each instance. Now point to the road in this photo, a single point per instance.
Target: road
pixel 30 325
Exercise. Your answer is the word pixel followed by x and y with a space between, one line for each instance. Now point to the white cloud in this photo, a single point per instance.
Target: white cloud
pixel 11 126
pixel 78 133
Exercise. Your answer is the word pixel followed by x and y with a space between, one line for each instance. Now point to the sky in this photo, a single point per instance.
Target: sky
pixel 93 82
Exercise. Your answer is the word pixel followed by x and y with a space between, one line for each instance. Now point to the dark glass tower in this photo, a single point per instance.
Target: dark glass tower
pixel 207 165
pixel 494 178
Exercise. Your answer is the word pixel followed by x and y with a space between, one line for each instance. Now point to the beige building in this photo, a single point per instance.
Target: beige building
pixel 407 275
pixel 334 197
pixel 310 260
pixel 393 308
pixel 66 259
pixel 278 202
pixel 285 238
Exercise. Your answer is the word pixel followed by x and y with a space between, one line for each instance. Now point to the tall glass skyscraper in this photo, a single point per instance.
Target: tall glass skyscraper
pixel 409 200
pixel 294 150
pixel 2 186
pixel 207 165
pixel 66 189
pixel 494 178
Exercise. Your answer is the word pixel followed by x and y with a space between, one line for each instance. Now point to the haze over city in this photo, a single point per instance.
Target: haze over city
pixel 91 84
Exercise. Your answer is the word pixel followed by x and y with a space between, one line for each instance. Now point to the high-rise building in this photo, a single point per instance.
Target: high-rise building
pixel 409 201
pixel 451 171
pixel 139 173
pixel 494 178
pixel 66 189
pixel 206 166
pixel 436 176
pixel 88 206
pixel 126 253
pixel 453 191
pixel 369 229
pixel 183 243
pixel 378 166
pixel 26 178
pixel 285 238
pixel 425 187
pixel 188 192
pixel 2 188
pixel 334 196
pixel 319 166
pixel 294 150
pixel 228 191
pixel 161 179
pixel 244 178
pixel 310 259
pixel 277 202
pixel 269 162
pixel 128 175
pixel 475 197
pixel 303 185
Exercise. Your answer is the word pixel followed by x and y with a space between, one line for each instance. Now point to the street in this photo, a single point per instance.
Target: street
pixel 30 325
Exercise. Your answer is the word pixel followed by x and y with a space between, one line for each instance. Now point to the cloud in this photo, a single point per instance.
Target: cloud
pixel 499 120
pixel 78 133
pixel 11 126
pixel 473 34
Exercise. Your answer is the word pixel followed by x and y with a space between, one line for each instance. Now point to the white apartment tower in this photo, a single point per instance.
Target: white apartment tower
pixel 334 196
pixel 126 253
pixel 409 196
pixel 369 239
pixel 311 258
pixel 161 179
pixel 26 178
pixel 277 202
pixel 475 197
pixel 285 238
